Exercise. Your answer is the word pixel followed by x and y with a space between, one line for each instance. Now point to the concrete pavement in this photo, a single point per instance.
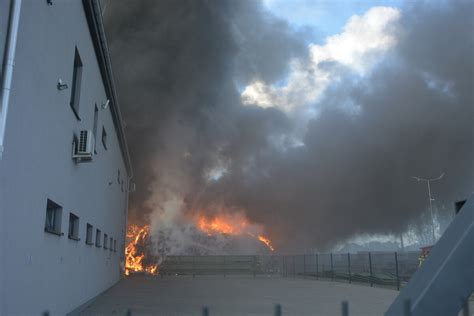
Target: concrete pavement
pixel 237 295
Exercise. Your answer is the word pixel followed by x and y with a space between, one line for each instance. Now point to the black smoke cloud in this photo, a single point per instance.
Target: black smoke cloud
pixel 179 66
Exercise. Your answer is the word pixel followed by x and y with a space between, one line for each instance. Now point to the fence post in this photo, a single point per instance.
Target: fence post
pixel 277 310
pixel 317 267
pixel 332 269
pixel 294 265
pixel 396 271
pixel 345 308
pixel 465 307
pixel 407 307
pixel 349 266
pixel 370 269
pixel 304 266
pixel 254 266
pixel 224 266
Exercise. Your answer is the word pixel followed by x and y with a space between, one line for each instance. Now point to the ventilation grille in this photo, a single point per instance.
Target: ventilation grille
pixel 83 146
pixel 83 140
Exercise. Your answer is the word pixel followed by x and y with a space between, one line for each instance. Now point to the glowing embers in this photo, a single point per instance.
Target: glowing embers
pixel 231 224
pixel 136 259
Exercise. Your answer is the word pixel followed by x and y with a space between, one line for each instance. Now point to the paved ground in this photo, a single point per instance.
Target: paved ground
pixel 234 295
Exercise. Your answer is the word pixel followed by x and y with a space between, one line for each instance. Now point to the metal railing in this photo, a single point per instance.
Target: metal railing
pixel 387 269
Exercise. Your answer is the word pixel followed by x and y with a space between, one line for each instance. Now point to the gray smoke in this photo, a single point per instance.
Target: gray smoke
pixel 180 65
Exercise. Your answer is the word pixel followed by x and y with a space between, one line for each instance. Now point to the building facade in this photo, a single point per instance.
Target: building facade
pixel 64 168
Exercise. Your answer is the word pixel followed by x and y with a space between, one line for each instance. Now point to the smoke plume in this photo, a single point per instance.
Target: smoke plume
pixel 314 162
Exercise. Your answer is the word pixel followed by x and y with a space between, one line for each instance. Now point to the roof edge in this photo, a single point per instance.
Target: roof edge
pixel 93 10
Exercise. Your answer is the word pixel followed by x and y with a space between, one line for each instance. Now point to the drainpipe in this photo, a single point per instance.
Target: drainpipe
pixel 8 63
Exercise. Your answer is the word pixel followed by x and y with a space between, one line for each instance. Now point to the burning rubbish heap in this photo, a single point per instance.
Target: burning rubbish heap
pixel 230 225
pixel 202 235
pixel 138 256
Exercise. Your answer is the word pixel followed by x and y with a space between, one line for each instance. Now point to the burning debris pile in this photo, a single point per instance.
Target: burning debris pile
pixel 138 256
pixel 200 235
pixel 236 225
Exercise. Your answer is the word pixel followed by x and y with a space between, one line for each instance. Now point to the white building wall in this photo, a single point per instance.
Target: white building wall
pixel 42 271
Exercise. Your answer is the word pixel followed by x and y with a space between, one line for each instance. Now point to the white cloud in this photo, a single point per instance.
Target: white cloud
pixel 364 41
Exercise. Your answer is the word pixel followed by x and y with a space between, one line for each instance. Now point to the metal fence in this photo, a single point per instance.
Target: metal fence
pixel 387 269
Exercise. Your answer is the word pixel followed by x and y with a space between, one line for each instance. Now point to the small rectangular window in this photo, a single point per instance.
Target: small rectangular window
pixel 73 232
pixel 105 241
pixel 111 240
pixel 89 232
pixel 94 128
pixel 115 245
pixel 53 218
pixel 76 84
pixel 104 137
pixel 98 237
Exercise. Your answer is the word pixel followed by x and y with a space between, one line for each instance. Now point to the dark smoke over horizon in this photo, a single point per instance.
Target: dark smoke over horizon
pixel 310 181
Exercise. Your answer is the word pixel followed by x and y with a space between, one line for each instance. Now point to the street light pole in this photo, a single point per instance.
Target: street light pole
pixel 431 200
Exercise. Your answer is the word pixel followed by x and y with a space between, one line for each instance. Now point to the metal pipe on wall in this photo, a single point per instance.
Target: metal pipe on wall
pixel 8 63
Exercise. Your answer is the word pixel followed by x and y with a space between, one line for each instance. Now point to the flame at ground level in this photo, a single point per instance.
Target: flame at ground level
pixel 135 251
pixel 138 255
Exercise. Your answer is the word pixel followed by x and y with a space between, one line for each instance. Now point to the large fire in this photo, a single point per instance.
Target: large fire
pixel 230 225
pixel 135 252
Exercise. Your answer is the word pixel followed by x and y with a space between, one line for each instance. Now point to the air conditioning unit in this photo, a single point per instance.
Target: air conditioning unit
pixel 83 147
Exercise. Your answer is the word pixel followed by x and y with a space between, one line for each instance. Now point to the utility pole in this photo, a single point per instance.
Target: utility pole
pixel 431 200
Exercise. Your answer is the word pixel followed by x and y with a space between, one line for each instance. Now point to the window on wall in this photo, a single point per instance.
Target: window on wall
pixel 89 232
pixel 53 218
pixel 111 240
pixel 118 175
pixel 73 232
pixel 105 241
pixel 115 246
pixel 98 236
pixel 104 137
pixel 76 83
pixel 94 128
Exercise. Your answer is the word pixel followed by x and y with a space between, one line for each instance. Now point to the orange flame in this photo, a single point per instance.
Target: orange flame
pixel 266 241
pixel 230 225
pixel 221 225
pixel 133 255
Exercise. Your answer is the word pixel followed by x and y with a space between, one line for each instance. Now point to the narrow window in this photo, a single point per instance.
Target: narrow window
pixel 110 243
pixel 89 233
pixel 118 176
pixel 94 130
pixel 104 137
pixel 98 236
pixel 73 232
pixel 76 84
pixel 105 241
pixel 115 245
pixel 53 218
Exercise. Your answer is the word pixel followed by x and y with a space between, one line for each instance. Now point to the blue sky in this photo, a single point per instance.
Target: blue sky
pixel 328 17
